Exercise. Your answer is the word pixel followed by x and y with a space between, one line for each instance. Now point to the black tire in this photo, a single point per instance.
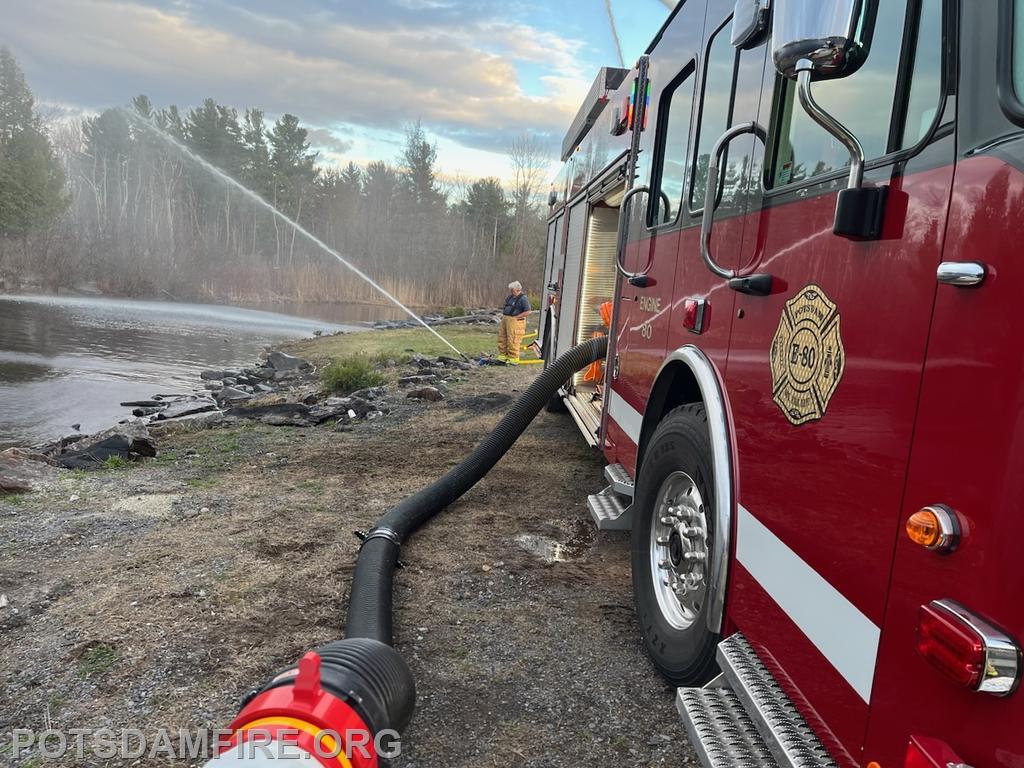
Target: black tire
pixel 556 405
pixel 681 443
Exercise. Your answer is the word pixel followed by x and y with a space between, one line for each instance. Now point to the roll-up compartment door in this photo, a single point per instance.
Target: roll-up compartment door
pixel 598 284
pixel 569 300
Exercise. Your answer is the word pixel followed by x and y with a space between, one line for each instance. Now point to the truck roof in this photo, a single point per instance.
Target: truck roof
pixel 607 82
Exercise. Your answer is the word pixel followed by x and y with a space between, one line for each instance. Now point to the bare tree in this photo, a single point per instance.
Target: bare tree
pixel 530 158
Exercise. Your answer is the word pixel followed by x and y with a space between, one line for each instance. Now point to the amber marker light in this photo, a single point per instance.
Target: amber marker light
pixel 936 528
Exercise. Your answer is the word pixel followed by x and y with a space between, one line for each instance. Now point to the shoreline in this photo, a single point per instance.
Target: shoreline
pixel 279 388
pixel 157 594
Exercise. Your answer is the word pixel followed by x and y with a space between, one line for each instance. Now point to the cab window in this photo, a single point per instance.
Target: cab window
pixel 1018 49
pixel 669 175
pixel 890 103
pixel 716 108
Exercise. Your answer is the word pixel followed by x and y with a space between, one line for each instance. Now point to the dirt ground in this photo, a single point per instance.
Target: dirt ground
pixel 159 595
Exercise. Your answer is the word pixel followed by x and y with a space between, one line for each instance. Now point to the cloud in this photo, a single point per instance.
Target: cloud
pixel 324 139
pixel 380 65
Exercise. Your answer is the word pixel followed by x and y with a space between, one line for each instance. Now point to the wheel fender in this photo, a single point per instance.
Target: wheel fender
pixel 690 370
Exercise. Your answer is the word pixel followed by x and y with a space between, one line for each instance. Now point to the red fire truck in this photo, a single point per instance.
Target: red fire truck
pixel 804 214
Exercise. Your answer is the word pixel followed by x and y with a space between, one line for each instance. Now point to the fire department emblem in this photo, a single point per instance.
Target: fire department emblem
pixel 807 356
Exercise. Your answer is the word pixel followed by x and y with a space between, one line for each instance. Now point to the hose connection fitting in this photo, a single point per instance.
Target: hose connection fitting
pixel 343 706
pixel 382 532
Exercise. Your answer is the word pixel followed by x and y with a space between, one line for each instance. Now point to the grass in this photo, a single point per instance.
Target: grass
pixel 455 311
pixel 350 374
pixel 472 340
pixel 16 499
pixel 97 659
pixel 311 486
pixel 115 462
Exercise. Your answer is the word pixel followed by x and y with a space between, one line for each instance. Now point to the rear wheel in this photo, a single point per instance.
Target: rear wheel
pixel 673 531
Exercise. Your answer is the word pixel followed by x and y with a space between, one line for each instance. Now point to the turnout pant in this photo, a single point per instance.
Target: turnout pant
pixel 510 336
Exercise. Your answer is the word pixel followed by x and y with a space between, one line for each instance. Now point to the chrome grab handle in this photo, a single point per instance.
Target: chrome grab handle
pixel 620 246
pixel 962 274
pixel 707 221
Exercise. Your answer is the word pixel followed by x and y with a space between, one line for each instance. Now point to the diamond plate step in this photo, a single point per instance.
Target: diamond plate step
pixel 720 729
pixel 610 511
pixel 777 720
pixel 619 479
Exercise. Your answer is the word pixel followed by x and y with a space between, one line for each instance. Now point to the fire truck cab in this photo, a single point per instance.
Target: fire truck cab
pixel 800 220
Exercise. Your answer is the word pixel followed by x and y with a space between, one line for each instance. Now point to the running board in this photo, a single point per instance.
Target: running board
pixel 610 511
pixel 620 481
pixel 744 719
pixel 586 416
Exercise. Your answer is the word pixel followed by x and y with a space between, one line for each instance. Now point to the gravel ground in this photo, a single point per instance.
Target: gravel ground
pixel 157 596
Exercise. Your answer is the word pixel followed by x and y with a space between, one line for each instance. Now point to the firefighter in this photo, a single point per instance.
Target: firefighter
pixel 513 323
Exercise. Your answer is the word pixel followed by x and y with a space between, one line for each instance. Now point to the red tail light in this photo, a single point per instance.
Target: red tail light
pixel 950 646
pixel 967 649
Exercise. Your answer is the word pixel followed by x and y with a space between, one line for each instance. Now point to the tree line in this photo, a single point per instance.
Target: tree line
pixel 113 202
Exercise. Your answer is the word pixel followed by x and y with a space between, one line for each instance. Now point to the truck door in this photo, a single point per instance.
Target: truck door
pixel 654 229
pixel 824 373
pixel 968 453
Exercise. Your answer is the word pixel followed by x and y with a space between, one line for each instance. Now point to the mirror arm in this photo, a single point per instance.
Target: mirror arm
pixel 830 124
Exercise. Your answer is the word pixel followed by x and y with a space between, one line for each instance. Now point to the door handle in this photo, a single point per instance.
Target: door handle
pixel 962 274
pixel 707 222
pixel 620 242
pixel 638 279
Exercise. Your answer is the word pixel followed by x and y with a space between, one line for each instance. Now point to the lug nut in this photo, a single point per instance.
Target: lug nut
pixel 663 541
pixel 698 556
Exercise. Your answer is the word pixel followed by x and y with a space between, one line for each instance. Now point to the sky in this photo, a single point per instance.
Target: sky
pixel 477 73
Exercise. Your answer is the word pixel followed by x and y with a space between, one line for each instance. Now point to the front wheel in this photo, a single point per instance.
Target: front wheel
pixel 673 531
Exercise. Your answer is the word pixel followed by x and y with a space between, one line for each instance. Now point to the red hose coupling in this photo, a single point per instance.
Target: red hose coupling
pixel 299 718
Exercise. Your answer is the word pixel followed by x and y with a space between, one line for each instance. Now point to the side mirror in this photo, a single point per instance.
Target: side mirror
pixel 817 40
pixel 822 33
pixel 749 21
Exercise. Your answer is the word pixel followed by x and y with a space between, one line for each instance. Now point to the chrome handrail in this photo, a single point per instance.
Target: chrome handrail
pixel 620 243
pixel 707 221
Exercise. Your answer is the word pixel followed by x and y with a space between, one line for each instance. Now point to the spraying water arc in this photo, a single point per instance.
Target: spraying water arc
pixel 218 173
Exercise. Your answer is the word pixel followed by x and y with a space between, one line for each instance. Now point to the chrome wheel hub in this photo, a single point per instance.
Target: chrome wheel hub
pixel 679 550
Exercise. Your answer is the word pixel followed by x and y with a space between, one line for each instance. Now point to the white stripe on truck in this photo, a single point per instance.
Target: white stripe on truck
pixel 626 416
pixel 843 635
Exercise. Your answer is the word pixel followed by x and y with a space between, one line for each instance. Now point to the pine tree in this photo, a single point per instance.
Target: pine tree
pixel 352 178
pixel 16 103
pixel 295 174
pixel 32 181
pixel 256 171
pixel 419 177
pixel 213 132
pixel 293 165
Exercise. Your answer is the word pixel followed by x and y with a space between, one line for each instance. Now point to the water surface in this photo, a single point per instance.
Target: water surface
pixel 67 360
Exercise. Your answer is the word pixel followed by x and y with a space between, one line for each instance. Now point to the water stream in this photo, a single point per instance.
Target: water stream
pixel 232 182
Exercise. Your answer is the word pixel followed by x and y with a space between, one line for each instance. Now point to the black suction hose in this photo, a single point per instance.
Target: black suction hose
pixel 364 671
pixel 369 610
